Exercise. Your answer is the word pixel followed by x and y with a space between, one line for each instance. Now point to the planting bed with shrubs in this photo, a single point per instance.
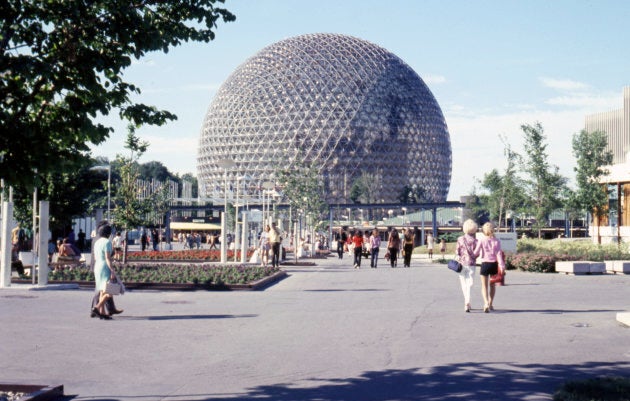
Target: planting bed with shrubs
pixel 198 275
pixel 541 255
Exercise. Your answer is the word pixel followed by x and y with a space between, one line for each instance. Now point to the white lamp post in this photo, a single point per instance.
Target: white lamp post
pixel 236 230
pixel 225 164
pixel 267 185
pixel 109 186
pixel 404 209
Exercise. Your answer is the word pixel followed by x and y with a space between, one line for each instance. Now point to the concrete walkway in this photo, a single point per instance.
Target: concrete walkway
pixel 327 332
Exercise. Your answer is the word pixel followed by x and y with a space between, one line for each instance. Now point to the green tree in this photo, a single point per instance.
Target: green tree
pixel 476 209
pixel 130 211
pixel 505 191
pixel 412 194
pixel 357 190
pixel 193 180
pixel 70 195
pixel 62 66
pixel 155 170
pixel 303 190
pixel 589 149
pixel 544 185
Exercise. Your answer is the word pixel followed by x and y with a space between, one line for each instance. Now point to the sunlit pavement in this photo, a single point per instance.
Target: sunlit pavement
pixel 326 332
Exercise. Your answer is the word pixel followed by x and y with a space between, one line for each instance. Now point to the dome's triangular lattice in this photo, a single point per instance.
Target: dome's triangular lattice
pixel 343 102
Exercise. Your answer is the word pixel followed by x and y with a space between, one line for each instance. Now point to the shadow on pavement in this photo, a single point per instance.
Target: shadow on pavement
pixel 352 290
pixel 183 317
pixel 456 382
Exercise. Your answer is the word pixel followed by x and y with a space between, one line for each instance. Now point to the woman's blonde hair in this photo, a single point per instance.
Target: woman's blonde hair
pixel 488 229
pixel 470 227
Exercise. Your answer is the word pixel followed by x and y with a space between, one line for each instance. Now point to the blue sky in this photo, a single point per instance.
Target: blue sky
pixel 492 66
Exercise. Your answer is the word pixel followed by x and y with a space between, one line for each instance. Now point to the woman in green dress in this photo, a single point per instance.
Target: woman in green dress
pixel 103 270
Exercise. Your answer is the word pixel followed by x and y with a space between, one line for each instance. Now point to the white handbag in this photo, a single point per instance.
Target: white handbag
pixel 114 287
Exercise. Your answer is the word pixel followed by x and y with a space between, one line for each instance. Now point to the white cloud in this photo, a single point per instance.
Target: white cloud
pixel 563 84
pixel 585 101
pixel 432 79
pixel 478 148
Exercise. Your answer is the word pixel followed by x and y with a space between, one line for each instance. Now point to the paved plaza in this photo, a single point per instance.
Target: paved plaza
pixel 326 332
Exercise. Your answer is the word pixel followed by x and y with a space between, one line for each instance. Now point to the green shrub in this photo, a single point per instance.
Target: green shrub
pixel 531 262
pixel 181 273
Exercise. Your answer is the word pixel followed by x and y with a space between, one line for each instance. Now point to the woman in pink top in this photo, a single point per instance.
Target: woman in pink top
pixel 489 250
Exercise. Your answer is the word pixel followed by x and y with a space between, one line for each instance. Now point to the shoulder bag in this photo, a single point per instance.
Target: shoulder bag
pixel 454 265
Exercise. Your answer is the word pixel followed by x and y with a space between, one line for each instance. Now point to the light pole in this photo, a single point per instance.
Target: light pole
pixel 225 164
pixel 267 185
pixel 236 236
pixel 404 209
pixel 109 187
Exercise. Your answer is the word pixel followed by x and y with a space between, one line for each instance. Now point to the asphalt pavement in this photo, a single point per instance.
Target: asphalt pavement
pixel 326 332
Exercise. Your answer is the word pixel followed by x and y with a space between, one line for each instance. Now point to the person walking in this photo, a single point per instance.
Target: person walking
pixel 407 247
pixel 430 245
pixel 464 251
pixel 117 245
pixel 375 244
pixel 264 246
pixel 365 252
pixel 357 242
pixel 341 239
pixel 393 246
pixel 103 270
pixel 492 261
pixel 144 240
pixel 275 240
pixel 442 247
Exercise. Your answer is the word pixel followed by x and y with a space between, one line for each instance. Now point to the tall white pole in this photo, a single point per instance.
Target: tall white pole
pixel 5 248
pixel 223 236
pixel 224 221
pixel 109 193
pixel 243 243
pixel 34 234
pixel 236 236
pixel 43 243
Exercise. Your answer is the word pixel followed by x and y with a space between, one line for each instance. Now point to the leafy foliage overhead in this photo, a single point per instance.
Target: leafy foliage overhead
pixel 61 67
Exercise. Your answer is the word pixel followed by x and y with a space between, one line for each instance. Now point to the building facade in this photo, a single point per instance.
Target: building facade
pixel 616 125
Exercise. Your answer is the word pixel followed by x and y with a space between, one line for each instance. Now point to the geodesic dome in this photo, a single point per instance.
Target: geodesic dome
pixel 344 103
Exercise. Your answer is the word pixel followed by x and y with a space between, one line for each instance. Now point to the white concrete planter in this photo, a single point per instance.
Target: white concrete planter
pixel 618 266
pixel 581 267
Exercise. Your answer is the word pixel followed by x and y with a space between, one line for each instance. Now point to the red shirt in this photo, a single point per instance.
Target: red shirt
pixel 357 240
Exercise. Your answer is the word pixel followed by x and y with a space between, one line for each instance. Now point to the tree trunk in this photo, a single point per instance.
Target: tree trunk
pixel 124 255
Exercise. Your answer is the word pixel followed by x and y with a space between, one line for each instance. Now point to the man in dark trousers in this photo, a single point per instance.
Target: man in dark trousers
pixel 275 239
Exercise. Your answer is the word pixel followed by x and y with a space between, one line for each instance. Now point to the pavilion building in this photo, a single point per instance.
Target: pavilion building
pixel 616 125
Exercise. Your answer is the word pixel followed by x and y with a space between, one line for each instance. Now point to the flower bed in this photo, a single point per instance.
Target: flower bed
pixel 189 254
pixel 203 274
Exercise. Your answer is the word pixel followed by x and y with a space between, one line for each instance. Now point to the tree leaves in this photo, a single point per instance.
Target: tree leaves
pixel 62 63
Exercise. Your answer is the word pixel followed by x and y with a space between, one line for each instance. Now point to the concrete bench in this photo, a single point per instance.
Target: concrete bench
pixel 66 262
pixel 618 266
pixel 581 267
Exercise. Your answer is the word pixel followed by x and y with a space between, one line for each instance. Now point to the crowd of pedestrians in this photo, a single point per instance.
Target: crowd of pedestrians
pixel 468 251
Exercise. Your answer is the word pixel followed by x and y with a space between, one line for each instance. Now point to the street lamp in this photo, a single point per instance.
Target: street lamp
pixel 236 236
pixel 404 209
pixel 267 185
pixel 225 164
pixel 109 186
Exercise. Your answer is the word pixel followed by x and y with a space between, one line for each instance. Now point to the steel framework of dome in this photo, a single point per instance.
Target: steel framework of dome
pixel 344 103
